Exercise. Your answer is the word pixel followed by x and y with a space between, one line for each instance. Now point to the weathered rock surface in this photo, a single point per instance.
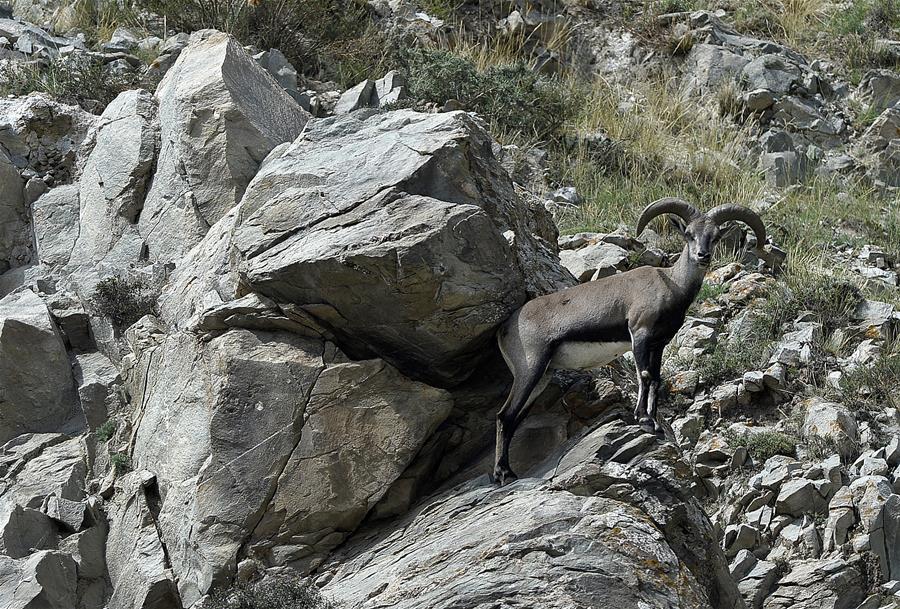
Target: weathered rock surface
pixel 55 221
pixel 220 114
pixel 138 567
pixel 819 584
pixel 37 391
pixel 114 181
pixel 269 450
pixel 607 522
pixel 44 579
pixel 424 244
pixel 41 465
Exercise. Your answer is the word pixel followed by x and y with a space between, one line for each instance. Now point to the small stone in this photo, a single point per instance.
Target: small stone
pixel 356 97
pixel 798 497
pixel 775 377
pixel 758 99
pixel 754 381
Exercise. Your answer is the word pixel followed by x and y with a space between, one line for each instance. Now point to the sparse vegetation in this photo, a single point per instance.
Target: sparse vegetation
pixel 734 356
pixel 323 38
pixel 74 79
pixel 123 301
pixel 99 19
pixel 873 387
pixel 120 462
pixel 764 444
pixel 709 291
pixel 106 431
pixel 513 98
pixel 269 594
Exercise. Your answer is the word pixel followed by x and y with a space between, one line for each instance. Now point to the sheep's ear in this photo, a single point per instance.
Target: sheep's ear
pixel 678 224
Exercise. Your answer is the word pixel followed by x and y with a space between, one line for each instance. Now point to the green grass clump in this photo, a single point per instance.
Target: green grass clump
pixel 830 301
pixel 710 291
pixel 106 431
pixel 732 357
pixel 512 98
pixel 269 594
pixel 120 462
pixel 73 79
pixel 764 444
pixel 123 301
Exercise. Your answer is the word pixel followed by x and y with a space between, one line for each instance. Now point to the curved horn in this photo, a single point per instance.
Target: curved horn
pixel 724 213
pixel 668 205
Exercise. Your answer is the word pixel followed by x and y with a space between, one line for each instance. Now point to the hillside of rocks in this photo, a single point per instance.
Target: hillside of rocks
pixel 248 308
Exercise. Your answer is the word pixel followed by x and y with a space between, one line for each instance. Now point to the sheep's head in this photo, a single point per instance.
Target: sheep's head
pixel 701 231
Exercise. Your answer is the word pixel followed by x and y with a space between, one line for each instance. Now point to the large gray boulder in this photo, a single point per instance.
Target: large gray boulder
pixel 24 531
pixel 880 89
pixel 269 446
pixel 401 233
pixel 881 144
pixel 37 391
pixel 830 422
pixel 220 114
pixel 41 465
pixel 45 580
pixel 607 522
pixel 114 181
pixel 771 72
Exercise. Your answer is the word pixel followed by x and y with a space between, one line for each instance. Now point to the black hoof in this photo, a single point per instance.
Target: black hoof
pixel 503 476
pixel 648 425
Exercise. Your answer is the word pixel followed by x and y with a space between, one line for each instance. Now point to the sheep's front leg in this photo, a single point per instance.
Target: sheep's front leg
pixel 643 360
pixel 653 387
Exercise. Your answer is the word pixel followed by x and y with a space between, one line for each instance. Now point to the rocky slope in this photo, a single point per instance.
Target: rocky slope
pixel 238 340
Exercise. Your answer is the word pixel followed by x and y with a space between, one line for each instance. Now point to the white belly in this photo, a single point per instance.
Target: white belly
pixel 580 355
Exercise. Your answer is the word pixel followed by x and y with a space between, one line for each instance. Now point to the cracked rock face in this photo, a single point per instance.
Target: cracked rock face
pixel 604 524
pixel 220 114
pixel 14 242
pixel 270 447
pixel 114 181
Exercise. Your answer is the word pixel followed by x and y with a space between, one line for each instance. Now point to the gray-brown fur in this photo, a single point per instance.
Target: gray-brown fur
pixel 642 308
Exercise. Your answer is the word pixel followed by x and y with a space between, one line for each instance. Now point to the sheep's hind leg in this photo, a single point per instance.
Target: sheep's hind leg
pixel 643 363
pixel 525 389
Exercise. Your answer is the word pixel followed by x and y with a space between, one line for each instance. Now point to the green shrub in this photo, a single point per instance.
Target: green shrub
pixel 269 594
pixel 106 431
pixel 74 79
pixel 513 98
pixel 123 301
pixel 325 39
pixel 120 462
pixel 867 17
pixel 822 447
pixel 765 444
